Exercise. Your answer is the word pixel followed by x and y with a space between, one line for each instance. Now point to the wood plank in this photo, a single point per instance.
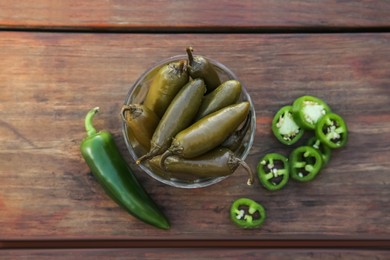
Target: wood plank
pixel 193 15
pixel 169 253
pixel 48 81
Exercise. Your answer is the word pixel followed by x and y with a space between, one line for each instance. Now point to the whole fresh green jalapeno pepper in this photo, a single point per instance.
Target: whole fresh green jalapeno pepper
pixel 324 150
pixel 224 95
pixel 216 163
pixel 308 110
pixel 178 116
pixel 141 123
pixel 273 171
pixel 332 131
pixel 305 163
pixel 208 133
pixel 247 213
pixel 284 127
pixel 112 172
pixel 200 67
pixel 169 79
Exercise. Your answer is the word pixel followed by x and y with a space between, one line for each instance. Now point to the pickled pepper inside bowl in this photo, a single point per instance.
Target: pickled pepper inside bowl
pixel 141 123
pixel 168 81
pixel 209 132
pixel 216 163
pixel 178 116
pixel 200 67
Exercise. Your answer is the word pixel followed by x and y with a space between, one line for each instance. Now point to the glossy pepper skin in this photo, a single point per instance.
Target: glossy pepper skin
pixel 247 213
pixel 141 123
pixel 284 127
pixel 112 172
pixel 165 85
pixel 177 117
pixel 305 163
pixel 216 163
pixel 224 95
pixel 200 67
pixel 273 171
pixel 332 131
pixel 209 132
pixel 308 110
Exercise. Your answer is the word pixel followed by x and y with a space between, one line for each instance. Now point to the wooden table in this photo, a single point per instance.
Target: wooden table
pixel 59 59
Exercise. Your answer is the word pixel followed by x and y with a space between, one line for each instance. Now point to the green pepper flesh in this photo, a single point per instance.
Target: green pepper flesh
pixel 114 175
pixel 247 213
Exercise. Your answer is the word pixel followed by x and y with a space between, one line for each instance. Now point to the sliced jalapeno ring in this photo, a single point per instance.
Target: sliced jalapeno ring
pixel 284 127
pixel 324 150
pixel 308 110
pixel 247 213
pixel 305 163
pixel 332 131
pixel 273 171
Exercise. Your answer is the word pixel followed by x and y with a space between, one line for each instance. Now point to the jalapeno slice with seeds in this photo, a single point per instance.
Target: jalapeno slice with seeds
pixel 247 213
pixel 332 131
pixel 308 110
pixel 305 163
pixel 284 127
pixel 324 150
pixel 273 171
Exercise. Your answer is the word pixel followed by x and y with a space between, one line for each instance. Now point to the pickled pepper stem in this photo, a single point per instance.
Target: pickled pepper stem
pixel 132 108
pixel 123 111
pixel 182 66
pixel 164 156
pixel 251 178
pixel 189 53
pixel 91 130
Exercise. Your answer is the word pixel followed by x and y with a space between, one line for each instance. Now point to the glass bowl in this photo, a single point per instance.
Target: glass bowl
pixel 137 94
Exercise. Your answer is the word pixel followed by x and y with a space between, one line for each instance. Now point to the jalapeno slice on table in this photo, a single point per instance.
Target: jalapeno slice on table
pixel 247 213
pixel 284 127
pixel 323 149
pixel 273 171
pixel 305 163
pixel 308 110
pixel 332 131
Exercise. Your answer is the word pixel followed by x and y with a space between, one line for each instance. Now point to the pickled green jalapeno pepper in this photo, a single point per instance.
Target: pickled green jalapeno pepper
pixel 112 172
pixel 247 213
pixel 200 67
pixel 308 110
pixel 165 85
pixel 234 141
pixel 273 171
pixel 224 95
pixel 209 132
pixel 332 131
pixel 178 116
pixel 305 163
pixel 216 163
pixel 284 127
pixel 324 150
pixel 141 123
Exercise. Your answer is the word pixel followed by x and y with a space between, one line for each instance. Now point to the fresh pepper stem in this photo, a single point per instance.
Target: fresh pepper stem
pixel 91 130
pixel 251 178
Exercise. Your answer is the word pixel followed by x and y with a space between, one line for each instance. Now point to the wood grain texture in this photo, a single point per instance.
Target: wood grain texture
pixel 48 81
pixel 194 15
pixel 160 254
